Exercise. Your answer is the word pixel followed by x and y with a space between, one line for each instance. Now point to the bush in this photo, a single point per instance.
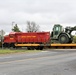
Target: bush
pixel 74 39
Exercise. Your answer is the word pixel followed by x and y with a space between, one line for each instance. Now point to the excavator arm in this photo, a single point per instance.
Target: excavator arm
pixel 70 29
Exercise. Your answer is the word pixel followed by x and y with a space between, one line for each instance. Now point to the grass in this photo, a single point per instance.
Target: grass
pixel 11 51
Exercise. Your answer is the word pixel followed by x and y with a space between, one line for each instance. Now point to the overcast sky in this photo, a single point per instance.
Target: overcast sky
pixel 45 13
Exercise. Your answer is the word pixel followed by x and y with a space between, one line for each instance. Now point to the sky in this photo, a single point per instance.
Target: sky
pixel 44 13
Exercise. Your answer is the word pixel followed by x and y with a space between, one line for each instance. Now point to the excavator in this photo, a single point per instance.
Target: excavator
pixel 62 35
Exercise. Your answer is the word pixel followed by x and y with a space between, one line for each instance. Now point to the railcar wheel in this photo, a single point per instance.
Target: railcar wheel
pixel 37 48
pixel 30 48
pixel 41 48
pixel 12 45
pixel 63 38
pixel 6 45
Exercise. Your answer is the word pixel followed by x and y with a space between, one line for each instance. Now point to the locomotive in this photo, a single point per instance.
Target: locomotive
pixel 26 38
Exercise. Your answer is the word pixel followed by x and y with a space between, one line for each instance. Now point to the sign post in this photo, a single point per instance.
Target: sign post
pixel 2 34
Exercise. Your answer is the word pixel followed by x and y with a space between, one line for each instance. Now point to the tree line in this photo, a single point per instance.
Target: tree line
pixel 31 27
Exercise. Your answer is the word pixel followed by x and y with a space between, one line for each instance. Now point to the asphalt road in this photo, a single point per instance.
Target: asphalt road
pixel 41 63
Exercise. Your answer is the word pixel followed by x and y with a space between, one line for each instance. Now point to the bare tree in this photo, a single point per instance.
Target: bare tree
pixel 32 27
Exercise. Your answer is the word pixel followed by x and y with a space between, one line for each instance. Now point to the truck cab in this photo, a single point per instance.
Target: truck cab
pixel 57 29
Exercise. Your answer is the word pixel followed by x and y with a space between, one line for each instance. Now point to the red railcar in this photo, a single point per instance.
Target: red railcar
pixel 24 38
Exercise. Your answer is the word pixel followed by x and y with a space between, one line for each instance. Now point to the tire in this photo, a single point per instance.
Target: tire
pixel 63 38
pixel 70 41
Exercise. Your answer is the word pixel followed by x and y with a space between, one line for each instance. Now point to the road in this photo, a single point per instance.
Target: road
pixel 42 63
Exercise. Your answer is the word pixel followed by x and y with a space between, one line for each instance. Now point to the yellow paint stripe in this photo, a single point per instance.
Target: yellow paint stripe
pixel 66 45
pixel 27 44
pixel 52 45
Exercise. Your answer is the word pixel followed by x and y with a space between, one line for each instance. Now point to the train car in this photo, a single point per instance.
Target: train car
pixel 27 38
